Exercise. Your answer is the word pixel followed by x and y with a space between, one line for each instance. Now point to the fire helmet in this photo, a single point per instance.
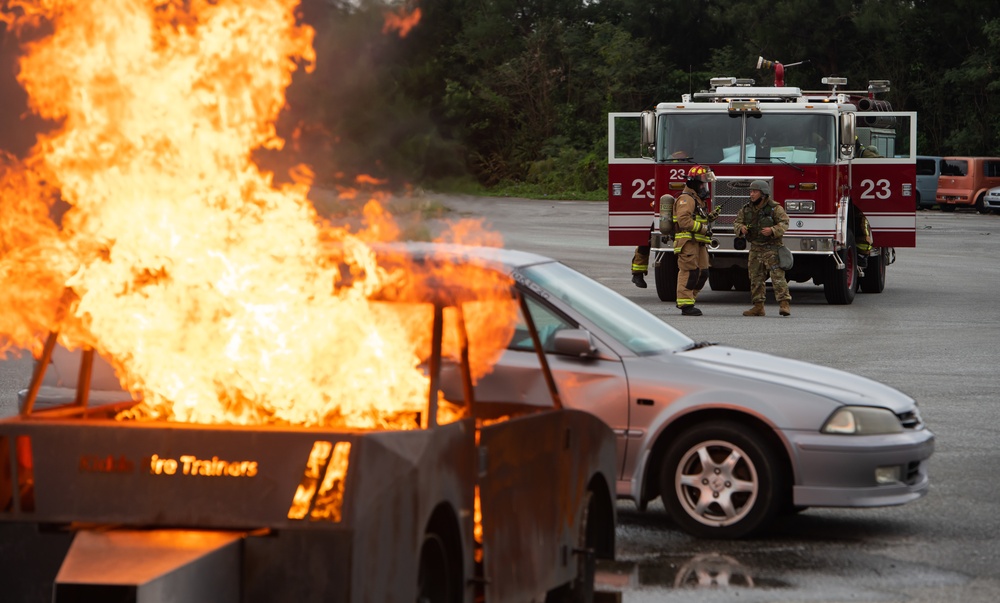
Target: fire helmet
pixel 760 185
pixel 700 173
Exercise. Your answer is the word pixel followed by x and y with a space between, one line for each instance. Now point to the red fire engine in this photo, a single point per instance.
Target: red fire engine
pixel 805 144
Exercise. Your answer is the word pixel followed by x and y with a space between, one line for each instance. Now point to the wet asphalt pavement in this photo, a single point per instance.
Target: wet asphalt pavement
pixel 933 333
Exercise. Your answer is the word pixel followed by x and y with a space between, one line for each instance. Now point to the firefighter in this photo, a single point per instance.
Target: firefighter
pixel 692 234
pixel 862 237
pixel 640 260
pixel 763 222
pixel 866 152
pixel 640 257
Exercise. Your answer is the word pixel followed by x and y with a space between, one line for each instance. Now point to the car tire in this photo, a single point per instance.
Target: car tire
pixel 436 576
pixel 981 204
pixel 665 275
pixel 732 468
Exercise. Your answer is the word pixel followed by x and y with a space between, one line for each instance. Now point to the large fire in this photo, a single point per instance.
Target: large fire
pixel 211 289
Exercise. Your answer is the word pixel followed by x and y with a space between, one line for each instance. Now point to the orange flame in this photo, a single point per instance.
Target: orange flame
pixel 401 21
pixel 213 291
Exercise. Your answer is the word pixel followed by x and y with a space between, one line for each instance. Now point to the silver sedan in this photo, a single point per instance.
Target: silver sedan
pixel 728 438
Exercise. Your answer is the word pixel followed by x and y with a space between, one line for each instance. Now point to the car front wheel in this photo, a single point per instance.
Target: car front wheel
pixel 721 481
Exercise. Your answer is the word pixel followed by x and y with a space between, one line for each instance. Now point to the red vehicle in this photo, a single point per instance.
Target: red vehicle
pixel 804 144
pixel 964 181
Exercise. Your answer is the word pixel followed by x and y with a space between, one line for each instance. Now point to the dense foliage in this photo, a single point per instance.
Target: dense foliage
pixel 502 92
pixel 519 90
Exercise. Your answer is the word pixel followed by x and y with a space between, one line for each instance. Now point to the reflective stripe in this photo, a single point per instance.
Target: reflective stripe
pixel 683 237
pixel 683 301
pixel 640 267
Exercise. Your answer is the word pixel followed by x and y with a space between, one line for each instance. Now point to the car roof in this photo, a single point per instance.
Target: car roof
pixel 443 287
pixel 496 257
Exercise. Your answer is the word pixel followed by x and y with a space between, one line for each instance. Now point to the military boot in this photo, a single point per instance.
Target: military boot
pixel 756 310
pixel 784 309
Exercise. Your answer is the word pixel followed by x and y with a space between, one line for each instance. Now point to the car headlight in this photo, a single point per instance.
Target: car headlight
pixel 862 420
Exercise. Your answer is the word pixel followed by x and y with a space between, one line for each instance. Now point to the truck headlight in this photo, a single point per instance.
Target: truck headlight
pixel 797 206
pixel 862 420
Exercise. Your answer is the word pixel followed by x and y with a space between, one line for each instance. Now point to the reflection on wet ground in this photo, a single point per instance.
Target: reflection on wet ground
pixel 701 571
pixel 816 556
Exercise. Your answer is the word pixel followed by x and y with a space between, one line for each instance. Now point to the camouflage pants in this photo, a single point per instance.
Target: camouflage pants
pixel 763 263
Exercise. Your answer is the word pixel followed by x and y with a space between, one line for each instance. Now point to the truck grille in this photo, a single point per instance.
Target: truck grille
pixel 732 194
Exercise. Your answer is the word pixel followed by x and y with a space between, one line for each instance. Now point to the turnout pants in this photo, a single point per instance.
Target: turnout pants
pixel 692 272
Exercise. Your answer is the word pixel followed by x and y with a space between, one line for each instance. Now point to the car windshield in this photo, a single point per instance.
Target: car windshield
pixel 626 321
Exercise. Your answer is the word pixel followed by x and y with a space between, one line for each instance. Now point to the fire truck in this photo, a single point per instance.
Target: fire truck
pixel 805 144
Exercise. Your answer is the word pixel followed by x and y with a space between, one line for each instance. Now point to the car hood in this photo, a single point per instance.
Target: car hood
pixel 837 385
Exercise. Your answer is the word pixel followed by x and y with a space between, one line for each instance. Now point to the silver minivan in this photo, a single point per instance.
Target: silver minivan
pixel 928 170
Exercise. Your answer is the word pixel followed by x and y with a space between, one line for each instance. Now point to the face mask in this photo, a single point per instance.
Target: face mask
pixel 703 191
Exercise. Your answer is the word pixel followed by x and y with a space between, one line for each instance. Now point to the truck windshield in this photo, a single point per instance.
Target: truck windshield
pixel 767 138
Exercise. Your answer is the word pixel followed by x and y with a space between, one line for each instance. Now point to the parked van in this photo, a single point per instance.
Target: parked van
pixel 965 180
pixel 928 171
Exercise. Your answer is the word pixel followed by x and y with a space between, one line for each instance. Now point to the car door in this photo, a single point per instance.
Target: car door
pixel 596 384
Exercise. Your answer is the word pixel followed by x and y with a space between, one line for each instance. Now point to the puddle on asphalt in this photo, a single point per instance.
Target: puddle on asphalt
pixel 702 571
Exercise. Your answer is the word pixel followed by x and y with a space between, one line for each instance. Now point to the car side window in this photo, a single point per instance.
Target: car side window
pixel 547 321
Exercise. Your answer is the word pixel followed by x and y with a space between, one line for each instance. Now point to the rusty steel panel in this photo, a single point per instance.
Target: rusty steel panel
pixel 534 474
pixel 170 474
pixel 234 478
pixel 195 566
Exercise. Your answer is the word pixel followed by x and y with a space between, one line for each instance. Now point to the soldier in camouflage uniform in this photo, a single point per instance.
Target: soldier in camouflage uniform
pixel 763 222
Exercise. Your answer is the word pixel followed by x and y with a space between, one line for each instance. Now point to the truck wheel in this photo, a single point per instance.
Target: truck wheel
pixel 874 279
pixel 741 282
pixel 436 580
pixel 721 481
pixel 665 274
pixel 840 286
pixel 720 279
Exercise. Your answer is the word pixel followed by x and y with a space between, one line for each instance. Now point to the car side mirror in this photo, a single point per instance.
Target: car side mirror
pixel 573 342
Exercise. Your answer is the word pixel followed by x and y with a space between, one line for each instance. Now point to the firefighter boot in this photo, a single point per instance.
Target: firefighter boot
pixel 756 310
pixel 638 281
pixel 690 311
pixel 784 310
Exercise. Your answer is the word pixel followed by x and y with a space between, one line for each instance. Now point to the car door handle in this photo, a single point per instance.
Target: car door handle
pixel 643 401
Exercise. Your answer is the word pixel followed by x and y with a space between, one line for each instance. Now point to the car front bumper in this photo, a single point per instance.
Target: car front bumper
pixel 840 471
